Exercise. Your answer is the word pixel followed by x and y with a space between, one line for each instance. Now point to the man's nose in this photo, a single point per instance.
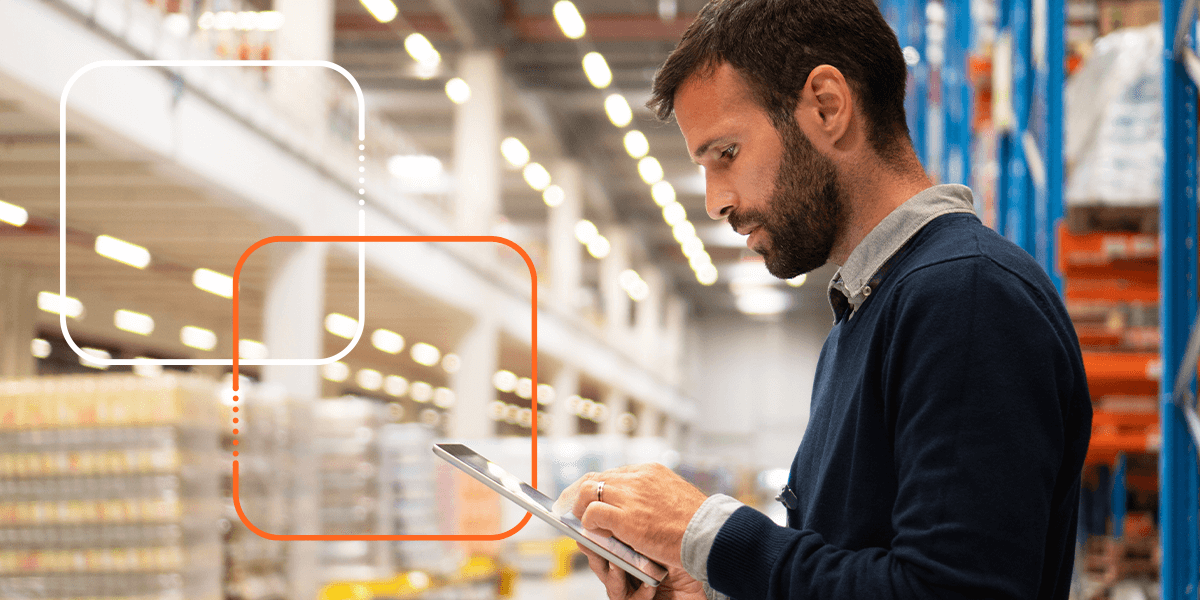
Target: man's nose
pixel 718 199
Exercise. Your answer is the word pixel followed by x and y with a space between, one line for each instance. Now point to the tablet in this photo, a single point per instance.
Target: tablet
pixel 612 549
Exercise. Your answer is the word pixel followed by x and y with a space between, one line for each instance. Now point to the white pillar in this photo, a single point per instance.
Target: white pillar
pixel 673 331
pixel 472 383
pixel 18 312
pixel 477 122
pixel 616 300
pixel 566 253
pixel 307 34
pixel 674 434
pixel 618 404
pixel 648 421
pixel 647 317
pixel 292 328
pixel 564 423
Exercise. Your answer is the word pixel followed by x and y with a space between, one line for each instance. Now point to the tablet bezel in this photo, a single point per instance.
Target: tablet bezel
pixel 569 524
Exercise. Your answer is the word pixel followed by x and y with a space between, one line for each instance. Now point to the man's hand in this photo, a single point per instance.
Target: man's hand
pixel 619 585
pixel 646 506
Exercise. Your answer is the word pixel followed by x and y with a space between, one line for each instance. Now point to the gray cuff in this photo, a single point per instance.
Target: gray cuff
pixel 712 594
pixel 702 531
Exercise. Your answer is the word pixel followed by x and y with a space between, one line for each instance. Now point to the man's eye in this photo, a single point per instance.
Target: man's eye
pixel 729 153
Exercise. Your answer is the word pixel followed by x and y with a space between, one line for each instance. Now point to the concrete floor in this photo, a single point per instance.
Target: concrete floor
pixel 580 585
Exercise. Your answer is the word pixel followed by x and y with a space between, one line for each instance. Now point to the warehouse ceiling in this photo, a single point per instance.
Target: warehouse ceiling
pixel 552 108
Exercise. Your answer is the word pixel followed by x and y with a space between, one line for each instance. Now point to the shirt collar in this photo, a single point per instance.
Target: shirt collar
pixel 856 280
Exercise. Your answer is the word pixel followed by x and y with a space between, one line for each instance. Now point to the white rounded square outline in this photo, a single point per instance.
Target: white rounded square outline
pixel 62 210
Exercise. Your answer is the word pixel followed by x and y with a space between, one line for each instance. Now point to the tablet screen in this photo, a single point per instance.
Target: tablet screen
pixel 539 504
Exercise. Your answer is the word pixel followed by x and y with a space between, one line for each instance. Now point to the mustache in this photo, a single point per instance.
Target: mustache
pixel 739 218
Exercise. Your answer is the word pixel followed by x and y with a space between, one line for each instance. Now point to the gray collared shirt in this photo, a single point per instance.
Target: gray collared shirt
pixel 856 280
pixel 849 289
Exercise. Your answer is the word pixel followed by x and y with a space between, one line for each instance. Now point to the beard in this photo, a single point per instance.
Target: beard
pixel 805 214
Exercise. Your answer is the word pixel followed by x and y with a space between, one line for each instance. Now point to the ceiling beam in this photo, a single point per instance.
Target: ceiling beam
pixel 605 28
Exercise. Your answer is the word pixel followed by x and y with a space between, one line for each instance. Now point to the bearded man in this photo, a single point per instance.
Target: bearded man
pixel 949 415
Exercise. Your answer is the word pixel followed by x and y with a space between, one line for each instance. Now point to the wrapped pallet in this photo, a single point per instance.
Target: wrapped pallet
pixel 1114 129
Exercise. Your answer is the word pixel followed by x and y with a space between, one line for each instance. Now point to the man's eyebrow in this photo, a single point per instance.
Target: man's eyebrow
pixel 703 149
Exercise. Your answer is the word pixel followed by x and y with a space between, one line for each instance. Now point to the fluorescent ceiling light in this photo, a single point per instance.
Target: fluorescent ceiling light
pixel 617 109
pixel 133 322
pixel 458 91
pixel 40 348
pixel 416 167
pixel 147 370
pixel 270 20
pixel 536 176
pixel 683 231
pixel 554 196
pixel 663 193
pixel 443 397
pixel 545 394
pixel 420 49
pixel 425 354
pixel 650 170
pixel 13 214
pixel 569 19
pixel 53 303
pixel 674 214
pixel 122 251
pixel 94 353
pixel 213 282
pixel 634 285
pixel 692 246
pixel 504 380
pixel 636 144
pixel 395 385
pixel 336 371
pixel 428 70
pixel 451 363
pixel 586 231
pixel 699 261
pixel 514 152
pixel 198 338
pixel 383 10
pixel 387 341
pixel 763 301
pixel 596 70
pixel 369 379
pixel 525 388
pixel 420 391
pixel 225 20
pixel 251 349
pixel 599 247
pixel 341 325
pixel 798 280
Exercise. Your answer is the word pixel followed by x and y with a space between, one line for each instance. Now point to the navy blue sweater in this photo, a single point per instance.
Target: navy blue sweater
pixel 950 419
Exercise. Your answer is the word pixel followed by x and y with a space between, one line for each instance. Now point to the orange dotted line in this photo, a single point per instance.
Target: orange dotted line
pixel 235 431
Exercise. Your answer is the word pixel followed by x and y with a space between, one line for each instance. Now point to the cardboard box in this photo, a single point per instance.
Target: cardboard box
pixel 1115 14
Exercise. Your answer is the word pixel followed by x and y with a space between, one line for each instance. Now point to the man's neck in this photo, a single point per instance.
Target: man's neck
pixel 871 192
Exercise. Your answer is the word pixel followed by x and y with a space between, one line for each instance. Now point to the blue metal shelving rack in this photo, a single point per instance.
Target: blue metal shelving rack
pixel 956 94
pixel 1029 193
pixel 907 18
pixel 1178 477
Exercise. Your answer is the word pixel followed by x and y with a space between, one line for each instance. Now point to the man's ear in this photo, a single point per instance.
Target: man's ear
pixel 826 106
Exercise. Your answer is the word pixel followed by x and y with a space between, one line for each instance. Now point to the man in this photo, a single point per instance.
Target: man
pixel 950 415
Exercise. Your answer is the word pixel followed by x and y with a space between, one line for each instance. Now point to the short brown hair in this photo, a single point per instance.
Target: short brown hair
pixel 775 44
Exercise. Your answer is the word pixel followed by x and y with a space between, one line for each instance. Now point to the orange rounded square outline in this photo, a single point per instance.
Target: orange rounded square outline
pixel 237 502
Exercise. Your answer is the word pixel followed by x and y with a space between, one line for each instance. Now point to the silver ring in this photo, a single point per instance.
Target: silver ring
pixel 600 492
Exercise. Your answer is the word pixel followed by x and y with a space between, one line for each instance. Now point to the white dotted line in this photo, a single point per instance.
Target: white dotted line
pixel 361 180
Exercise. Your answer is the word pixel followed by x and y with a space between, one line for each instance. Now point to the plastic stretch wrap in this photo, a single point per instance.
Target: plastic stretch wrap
pixel 1114 126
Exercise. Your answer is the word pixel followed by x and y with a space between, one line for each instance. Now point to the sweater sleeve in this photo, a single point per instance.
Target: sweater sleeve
pixel 975 373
